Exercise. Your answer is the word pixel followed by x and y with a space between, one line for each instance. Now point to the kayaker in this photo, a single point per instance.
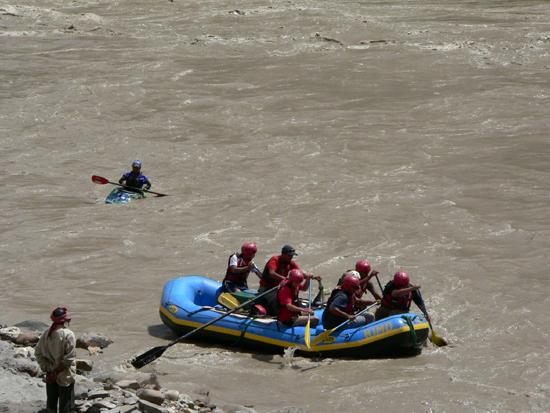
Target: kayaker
pixel 398 295
pixel 344 301
pixel 290 313
pixel 239 266
pixel 56 356
pixel 135 180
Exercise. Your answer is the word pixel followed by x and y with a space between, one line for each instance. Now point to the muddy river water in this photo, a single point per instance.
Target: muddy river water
pixel 412 133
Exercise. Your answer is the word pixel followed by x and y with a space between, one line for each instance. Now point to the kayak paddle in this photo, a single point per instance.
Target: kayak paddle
pixel 103 181
pixel 156 352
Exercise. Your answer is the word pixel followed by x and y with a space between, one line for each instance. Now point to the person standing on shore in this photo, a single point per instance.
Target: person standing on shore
pixel 56 356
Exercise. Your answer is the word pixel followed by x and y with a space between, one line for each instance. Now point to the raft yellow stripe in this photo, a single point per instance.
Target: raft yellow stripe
pixel 284 344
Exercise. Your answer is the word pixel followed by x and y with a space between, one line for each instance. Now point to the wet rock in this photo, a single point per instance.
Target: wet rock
pixel 93 340
pixel 153 396
pixel 128 384
pixel 172 395
pixel 149 407
pixel 32 326
pixel 83 365
pixel 148 380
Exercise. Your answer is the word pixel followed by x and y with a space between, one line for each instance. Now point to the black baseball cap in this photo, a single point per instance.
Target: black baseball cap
pixel 289 250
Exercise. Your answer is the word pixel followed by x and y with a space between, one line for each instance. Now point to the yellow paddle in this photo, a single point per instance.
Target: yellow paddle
pixel 437 340
pixel 228 301
pixel 307 335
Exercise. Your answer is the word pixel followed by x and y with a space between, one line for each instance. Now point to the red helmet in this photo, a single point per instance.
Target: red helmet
pixel 401 279
pixel 363 266
pixel 350 283
pixel 295 277
pixel 248 249
pixel 60 315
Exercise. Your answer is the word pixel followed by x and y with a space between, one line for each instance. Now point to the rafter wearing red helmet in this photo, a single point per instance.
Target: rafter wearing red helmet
pixel 344 302
pixel 290 313
pixel 398 295
pixel 239 266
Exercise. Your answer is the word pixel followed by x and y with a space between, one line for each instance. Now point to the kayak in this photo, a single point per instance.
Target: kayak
pixel 121 196
pixel 191 301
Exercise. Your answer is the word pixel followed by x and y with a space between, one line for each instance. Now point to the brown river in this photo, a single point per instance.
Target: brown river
pixel 412 133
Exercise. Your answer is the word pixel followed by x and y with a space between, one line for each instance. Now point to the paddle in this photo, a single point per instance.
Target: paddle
pixel 102 181
pixel 437 340
pixel 156 352
pixel 307 335
pixel 326 334
pixel 228 301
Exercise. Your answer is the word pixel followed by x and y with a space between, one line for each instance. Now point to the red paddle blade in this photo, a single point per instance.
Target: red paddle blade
pixel 99 180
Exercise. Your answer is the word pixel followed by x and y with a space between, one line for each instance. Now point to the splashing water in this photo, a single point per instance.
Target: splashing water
pixel 288 357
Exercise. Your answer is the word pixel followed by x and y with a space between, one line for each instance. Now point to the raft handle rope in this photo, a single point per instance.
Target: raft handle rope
pixel 412 332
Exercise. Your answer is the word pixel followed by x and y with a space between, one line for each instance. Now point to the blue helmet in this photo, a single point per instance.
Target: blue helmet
pixel 136 163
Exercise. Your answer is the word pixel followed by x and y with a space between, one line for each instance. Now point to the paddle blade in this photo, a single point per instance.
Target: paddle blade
pixel 307 336
pixel 437 340
pixel 228 301
pixel 148 356
pixel 99 180
pixel 322 337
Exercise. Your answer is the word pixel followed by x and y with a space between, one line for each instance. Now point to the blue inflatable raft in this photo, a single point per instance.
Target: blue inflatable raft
pixel 190 301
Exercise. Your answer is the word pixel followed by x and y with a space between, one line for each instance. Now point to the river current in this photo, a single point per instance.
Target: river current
pixel 412 133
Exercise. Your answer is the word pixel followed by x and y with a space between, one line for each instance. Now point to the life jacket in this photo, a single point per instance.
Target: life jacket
pixel 284 314
pixel 269 282
pixel 233 277
pixel 395 303
pixel 350 308
pixel 134 181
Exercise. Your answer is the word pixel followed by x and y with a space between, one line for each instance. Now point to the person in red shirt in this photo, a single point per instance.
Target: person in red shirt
pixel 277 268
pixel 290 313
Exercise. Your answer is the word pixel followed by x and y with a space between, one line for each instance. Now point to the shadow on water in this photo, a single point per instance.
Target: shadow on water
pixel 161 331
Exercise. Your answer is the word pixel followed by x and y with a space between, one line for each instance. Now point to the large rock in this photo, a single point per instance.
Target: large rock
pixel 83 365
pixel 128 384
pixel 93 340
pixel 153 396
pixel 32 326
pixel 27 339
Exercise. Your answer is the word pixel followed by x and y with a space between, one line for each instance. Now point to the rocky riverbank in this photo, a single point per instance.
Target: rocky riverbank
pixel 22 388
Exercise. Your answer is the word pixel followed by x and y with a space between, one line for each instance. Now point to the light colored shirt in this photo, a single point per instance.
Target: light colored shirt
pixel 58 350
